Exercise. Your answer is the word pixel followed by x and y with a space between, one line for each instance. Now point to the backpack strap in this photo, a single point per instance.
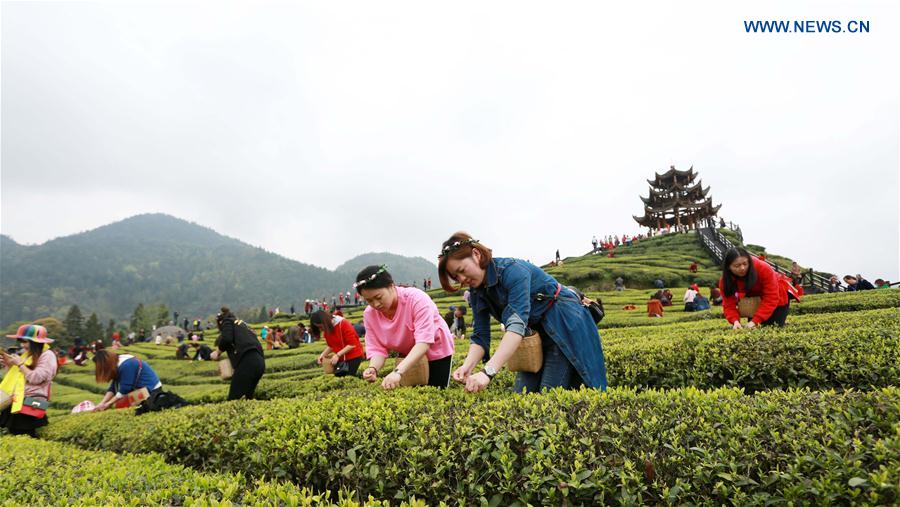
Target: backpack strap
pixel 138 374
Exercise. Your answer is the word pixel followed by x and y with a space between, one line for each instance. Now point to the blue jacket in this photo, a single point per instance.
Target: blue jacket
pixel 519 294
pixel 700 303
pixel 128 370
pixel 861 284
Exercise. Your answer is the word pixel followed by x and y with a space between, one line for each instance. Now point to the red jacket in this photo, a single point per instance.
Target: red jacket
pixel 343 335
pixel 771 287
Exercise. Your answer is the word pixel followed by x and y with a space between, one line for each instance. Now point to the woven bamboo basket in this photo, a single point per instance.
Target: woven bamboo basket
pixel 529 357
pixel 327 367
pixel 226 371
pixel 747 306
pixel 417 374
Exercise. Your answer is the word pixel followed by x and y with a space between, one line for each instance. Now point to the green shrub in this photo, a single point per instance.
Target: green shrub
pixel 576 447
pixel 847 301
pixel 52 473
pixel 859 350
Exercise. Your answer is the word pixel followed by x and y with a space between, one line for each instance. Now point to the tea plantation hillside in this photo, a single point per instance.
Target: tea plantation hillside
pixel 666 257
pixel 696 413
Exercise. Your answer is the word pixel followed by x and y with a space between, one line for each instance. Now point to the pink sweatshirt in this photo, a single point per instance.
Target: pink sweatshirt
pixel 38 378
pixel 417 320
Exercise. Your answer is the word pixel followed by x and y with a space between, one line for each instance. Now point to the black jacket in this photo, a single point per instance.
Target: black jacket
pixel 861 284
pixel 236 338
pixel 203 352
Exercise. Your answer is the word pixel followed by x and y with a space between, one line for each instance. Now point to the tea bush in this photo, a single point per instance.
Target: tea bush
pixel 859 350
pixel 52 473
pixel 676 446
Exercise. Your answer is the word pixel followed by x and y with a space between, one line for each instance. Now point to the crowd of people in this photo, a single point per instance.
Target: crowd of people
pixel 530 305
pixel 610 242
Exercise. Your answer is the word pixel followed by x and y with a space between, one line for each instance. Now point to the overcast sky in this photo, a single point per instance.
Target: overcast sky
pixel 323 130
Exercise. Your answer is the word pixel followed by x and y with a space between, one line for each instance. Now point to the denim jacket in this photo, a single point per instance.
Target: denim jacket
pixel 520 294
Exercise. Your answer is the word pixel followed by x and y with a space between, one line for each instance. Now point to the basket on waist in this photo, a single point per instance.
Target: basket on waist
pixel 327 367
pixel 529 357
pixel 226 371
pixel 747 306
pixel 417 374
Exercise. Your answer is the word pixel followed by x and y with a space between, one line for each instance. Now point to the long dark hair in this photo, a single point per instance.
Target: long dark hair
pixel 729 279
pixel 106 365
pixel 35 349
pixel 322 318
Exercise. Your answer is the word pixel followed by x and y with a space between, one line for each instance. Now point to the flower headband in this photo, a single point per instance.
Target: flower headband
pixel 371 277
pixel 456 245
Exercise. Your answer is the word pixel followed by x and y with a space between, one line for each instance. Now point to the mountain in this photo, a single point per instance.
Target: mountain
pixel 157 258
pixel 406 270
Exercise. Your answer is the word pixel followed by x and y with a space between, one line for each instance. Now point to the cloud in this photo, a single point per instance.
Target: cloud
pixel 323 131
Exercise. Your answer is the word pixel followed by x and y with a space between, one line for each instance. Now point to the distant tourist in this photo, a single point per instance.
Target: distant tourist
pixel 746 276
pixel 796 274
pixel 292 337
pixel 572 353
pixel 620 284
pixel 689 295
pixel 661 296
pixel 406 321
pixel 700 303
pixel 693 267
pixel 202 352
pixel 305 335
pixel 834 285
pixel 28 379
pixel 449 316
pixel 459 323
pixel 856 283
pixel 275 338
pixel 715 296
pixel 667 297
pixel 654 307
pixel 342 343
pixel 182 351
pixel 244 352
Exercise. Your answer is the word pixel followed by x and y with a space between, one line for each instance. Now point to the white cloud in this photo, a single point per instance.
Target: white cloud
pixel 323 130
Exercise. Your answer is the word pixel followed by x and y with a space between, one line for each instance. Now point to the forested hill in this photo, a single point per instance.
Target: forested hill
pixel 406 270
pixel 157 258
